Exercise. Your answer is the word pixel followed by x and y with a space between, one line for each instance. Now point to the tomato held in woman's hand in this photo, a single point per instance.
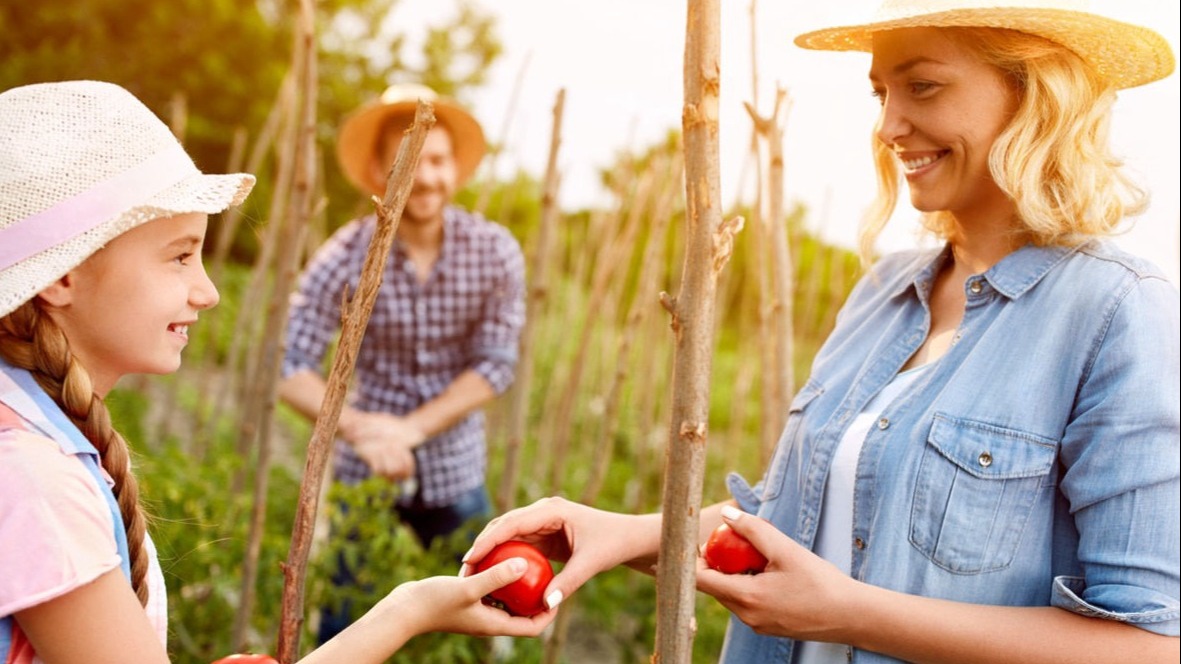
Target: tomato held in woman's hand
pixel 247 659
pixel 526 595
pixel 731 553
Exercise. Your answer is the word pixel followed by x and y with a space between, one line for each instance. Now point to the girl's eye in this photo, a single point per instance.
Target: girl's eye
pixel 183 259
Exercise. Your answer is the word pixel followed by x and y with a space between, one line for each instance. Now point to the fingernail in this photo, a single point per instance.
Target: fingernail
pixel 463 570
pixel 466 556
pixel 517 565
pixel 553 599
pixel 731 513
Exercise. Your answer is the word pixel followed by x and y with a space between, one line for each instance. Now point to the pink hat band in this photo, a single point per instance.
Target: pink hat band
pixel 102 202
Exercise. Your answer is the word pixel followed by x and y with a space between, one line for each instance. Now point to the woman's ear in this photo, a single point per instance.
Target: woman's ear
pixel 60 293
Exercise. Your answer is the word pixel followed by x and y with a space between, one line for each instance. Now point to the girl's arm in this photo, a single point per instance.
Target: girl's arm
pixel 435 604
pixel 101 622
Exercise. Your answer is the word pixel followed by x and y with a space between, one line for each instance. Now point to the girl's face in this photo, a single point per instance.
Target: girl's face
pixel 128 308
pixel 942 110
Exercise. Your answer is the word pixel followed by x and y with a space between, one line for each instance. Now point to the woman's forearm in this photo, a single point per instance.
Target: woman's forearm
pixel 921 629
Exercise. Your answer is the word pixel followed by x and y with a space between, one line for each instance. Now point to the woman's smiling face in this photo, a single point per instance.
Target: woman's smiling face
pixel 942 110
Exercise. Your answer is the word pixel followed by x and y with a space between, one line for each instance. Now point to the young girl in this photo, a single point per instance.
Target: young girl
pixel 102 220
pixel 983 465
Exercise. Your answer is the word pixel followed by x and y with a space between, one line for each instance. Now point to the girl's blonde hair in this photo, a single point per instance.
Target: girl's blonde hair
pixel 29 339
pixel 1053 159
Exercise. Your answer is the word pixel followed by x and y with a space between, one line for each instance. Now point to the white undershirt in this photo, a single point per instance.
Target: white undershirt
pixel 835 528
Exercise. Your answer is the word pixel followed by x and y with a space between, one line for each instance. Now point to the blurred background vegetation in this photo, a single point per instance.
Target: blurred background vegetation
pixel 602 351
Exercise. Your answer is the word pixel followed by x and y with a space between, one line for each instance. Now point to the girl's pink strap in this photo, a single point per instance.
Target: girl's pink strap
pixel 102 202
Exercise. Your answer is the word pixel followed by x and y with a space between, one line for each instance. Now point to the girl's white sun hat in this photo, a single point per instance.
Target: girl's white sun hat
pixel 80 163
pixel 1126 55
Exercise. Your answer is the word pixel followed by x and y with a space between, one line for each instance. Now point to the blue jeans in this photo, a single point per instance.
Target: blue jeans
pixel 428 523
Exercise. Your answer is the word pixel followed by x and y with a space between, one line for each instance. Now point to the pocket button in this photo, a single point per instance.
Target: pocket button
pixel 985 459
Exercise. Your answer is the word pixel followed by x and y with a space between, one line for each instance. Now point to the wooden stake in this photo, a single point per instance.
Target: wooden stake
pixel 261 407
pixel 355 319
pixel 538 281
pixel 708 246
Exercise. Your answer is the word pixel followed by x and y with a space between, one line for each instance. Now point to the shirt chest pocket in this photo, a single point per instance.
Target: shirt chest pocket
pixel 976 486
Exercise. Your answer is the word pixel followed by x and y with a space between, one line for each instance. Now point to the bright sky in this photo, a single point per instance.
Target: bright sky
pixel 621 64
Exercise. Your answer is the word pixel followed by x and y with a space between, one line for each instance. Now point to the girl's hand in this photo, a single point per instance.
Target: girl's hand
pixel 588 540
pixel 454 604
pixel 800 595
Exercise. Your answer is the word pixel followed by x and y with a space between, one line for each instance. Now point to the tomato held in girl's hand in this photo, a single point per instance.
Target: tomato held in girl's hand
pixel 526 595
pixel 731 553
pixel 247 659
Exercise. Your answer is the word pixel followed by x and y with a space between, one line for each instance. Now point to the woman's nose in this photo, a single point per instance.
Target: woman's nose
pixel 892 123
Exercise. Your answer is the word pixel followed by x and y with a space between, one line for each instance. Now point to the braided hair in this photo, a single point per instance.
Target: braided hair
pixel 31 340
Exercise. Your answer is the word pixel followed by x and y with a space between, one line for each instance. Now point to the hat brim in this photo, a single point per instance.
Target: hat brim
pixel 198 192
pixel 1126 55
pixel 357 139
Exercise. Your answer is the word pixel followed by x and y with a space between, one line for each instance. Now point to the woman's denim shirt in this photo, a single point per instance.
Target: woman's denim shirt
pixel 1034 464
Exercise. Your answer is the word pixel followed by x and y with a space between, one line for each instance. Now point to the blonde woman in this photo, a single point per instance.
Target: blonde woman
pixel 983 465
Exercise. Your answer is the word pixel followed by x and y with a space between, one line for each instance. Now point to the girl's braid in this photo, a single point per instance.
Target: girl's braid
pixel 29 339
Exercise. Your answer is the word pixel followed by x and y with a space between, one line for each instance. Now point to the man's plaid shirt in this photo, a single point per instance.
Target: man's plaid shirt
pixel 421 336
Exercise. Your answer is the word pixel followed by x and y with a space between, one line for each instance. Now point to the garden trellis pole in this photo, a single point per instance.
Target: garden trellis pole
pixel 260 408
pixel 708 245
pixel 355 319
pixel 538 292
pixel 780 276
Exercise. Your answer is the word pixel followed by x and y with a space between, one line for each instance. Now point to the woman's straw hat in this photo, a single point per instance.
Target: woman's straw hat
pixel 80 163
pixel 357 141
pixel 1127 55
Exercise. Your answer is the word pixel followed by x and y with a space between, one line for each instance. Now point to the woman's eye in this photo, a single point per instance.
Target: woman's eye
pixel 878 94
pixel 922 87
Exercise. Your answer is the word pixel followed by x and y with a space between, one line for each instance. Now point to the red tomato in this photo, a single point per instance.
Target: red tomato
pixel 731 553
pixel 525 596
pixel 247 659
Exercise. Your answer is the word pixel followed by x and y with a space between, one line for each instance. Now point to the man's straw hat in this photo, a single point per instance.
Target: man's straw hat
pixel 357 141
pixel 1126 55
pixel 82 162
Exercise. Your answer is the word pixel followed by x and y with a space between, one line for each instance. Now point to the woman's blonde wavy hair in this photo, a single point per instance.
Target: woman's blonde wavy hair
pixel 1053 159
pixel 31 340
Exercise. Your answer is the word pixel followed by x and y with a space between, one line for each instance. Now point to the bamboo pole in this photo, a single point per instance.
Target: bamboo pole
pixel 494 158
pixel 244 331
pixel 538 292
pixel 709 243
pixel 637 313
pixel 778 283
pixel 616 257
pixel 646 294
pixel 261 406
pixel 355 319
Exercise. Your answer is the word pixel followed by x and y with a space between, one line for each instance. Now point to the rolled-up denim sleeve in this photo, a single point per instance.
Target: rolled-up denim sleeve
pixel 1122 463
pixel 314 314
pixel 495 344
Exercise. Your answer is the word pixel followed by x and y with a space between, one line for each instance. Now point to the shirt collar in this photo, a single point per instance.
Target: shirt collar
pixel 1012 276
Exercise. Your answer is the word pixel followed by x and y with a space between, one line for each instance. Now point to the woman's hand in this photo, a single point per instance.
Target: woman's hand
pixel 588 540
pixel 800 595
